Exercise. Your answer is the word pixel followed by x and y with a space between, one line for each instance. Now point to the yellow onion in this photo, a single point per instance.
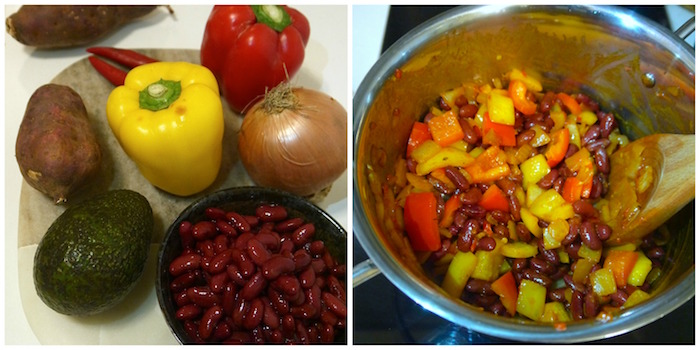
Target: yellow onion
pixel 295 139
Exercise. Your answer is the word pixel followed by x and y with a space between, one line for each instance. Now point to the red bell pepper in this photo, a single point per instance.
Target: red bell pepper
pixel 445 129
pixel 570 103
pixel 518 93
pixel 421 221
pixel 252 48
pixel 557 147
pixel 506 289
pixel 494 199
pixel 504 133
pixel 621 262
pixel 448 215
pixel 419 134
pixel 573 188
pixel 489 166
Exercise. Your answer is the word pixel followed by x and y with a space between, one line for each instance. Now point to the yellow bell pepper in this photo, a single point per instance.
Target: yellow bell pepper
pixel 168 118
pixel 531 299
pixel 555 311
pixel 460 269
pixel 534 169
pixel 603 282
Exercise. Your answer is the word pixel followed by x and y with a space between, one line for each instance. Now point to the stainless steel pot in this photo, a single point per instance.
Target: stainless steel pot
pixel 633 67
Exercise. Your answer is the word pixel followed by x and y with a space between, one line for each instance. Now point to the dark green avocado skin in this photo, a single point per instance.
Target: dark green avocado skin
pixel 94 253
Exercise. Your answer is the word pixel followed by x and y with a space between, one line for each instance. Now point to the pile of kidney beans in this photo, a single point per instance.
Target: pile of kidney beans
pixel 261 278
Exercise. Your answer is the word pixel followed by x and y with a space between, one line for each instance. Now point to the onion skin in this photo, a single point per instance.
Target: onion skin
pixel 299 148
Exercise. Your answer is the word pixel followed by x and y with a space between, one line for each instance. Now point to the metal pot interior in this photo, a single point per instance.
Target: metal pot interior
pixel 630 66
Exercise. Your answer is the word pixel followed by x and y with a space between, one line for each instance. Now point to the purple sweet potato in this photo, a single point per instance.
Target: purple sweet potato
pixel 56 148
pixel 60 26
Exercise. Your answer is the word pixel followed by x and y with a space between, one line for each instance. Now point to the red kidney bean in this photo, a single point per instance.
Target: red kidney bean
pixel 220 261
pixel 573 285
pixel 522 232
pixel 603 231
pixel 576 305
pixel 218 282
pixel 584 208
pixel 202 296
pixel 467 234
pixel 235 275
pixel 548 180
pixel 532 275
pixel 336 287
pixel 327 333
pixel 525 137
pixel 203 230
pixel 334 304
pixel 456 177
pixel 278 301
pixel 215 213
pixel 185 231
pixel 276 266
pixel 590 305
pixel 471 197
pixel 591 134
pixel 474 210
pixel 602 161
pixel 486 243
pixel 302 259
pixel 475 285
pixel 500 216
pixel 574 226
pixel 185 263
pixel 307 277
pixel 288 323
pixel 571 150
pixel 228 301
pixel 185 280
pixel 317 248
pixel 255 314
pixel 468 110
pixel 188 312
pixel 289 285
pixel 589 236
pixel 220 243
pixel 270 317
pixel 221 331
pixel 268 213
pixel 303 234
pixel 181 298
pixel 289 225
pixel 542 266
pixel 619 297
pixel 257 251
pixel 226 228
pixel 558 184
pixel 558 294
pixel 607 124
pixel 205 248
pixel 238 221
pixel 255 285
pixel 209 321
pixel 191 330
pixel 655 253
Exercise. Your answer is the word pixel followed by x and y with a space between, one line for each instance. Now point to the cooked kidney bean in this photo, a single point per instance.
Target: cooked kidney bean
pixel 486 243
pixel 456 177
pixel 589 236
pixel 584 208
pixel 256 279
pixel 475 285
pixel 603 231
pixel 468 110
pixel 602 161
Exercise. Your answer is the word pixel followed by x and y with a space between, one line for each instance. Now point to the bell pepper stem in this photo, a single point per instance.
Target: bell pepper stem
pixel 159 95
pixel 274 16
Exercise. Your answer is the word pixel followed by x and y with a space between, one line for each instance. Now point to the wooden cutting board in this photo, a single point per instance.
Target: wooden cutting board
pixel 138 320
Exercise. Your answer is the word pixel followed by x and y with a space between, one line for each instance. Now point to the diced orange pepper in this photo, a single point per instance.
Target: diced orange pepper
pixel 448 215
pixel 621 262
pixel 494 199
pixel 518 93
pixel 419 134
pixel 505 133
pixel 421 221
pixel 506 289
pixel 490 165
pixel 445 129
pixel 570 103
pixel 556 149
pixel 572 189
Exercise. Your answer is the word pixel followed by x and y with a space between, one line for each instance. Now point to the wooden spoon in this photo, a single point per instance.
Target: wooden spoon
pixel 650 180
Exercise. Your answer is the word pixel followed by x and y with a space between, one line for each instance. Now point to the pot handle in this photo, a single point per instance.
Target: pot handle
pixel 363 272
pixel 686 29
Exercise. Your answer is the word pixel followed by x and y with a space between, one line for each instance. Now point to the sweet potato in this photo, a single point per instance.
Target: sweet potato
pixel 56 148
pixel 60 26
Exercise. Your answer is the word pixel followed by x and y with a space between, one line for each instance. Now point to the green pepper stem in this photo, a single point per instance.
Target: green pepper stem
pixel 274 16
pixel 159 95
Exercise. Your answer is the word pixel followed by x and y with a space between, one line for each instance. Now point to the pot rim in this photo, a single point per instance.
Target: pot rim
pixel 682 290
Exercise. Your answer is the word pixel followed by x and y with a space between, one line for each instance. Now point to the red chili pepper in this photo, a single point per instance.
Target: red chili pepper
pixel 251 49
pixel 115 75
pixel 128 58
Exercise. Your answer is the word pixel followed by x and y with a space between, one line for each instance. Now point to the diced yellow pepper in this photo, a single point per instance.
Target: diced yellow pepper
pixel 555 312
pixel 558 117
pixel 451 95
pixel 574 135
pixel 534 169
pixel 501 108
pixel 640 271
pixel 533 191
pixel 603 282
pixel 587 118
pixel 541 137
pixel 426 150
pixel 629 247
pixel 488 265
pixel 444 157
pixel 460 269
pixel 555 233
pixel 590 254
pixel 518 250
pixel 476 152
pixel 531 299
pixel 581 270
pixel 532 83
pixel 478 119
pixel 460 145
pixel 419 183
pixel 635 298
pixel 563 256
pixel 550 206
pixel 530 222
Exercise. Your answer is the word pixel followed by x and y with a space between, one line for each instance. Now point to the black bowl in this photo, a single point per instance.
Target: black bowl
pixel 243 200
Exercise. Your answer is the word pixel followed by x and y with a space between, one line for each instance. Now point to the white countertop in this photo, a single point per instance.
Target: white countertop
pixel 26 69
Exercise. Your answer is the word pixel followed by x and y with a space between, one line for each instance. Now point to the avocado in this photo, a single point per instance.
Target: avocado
pixel 93 254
